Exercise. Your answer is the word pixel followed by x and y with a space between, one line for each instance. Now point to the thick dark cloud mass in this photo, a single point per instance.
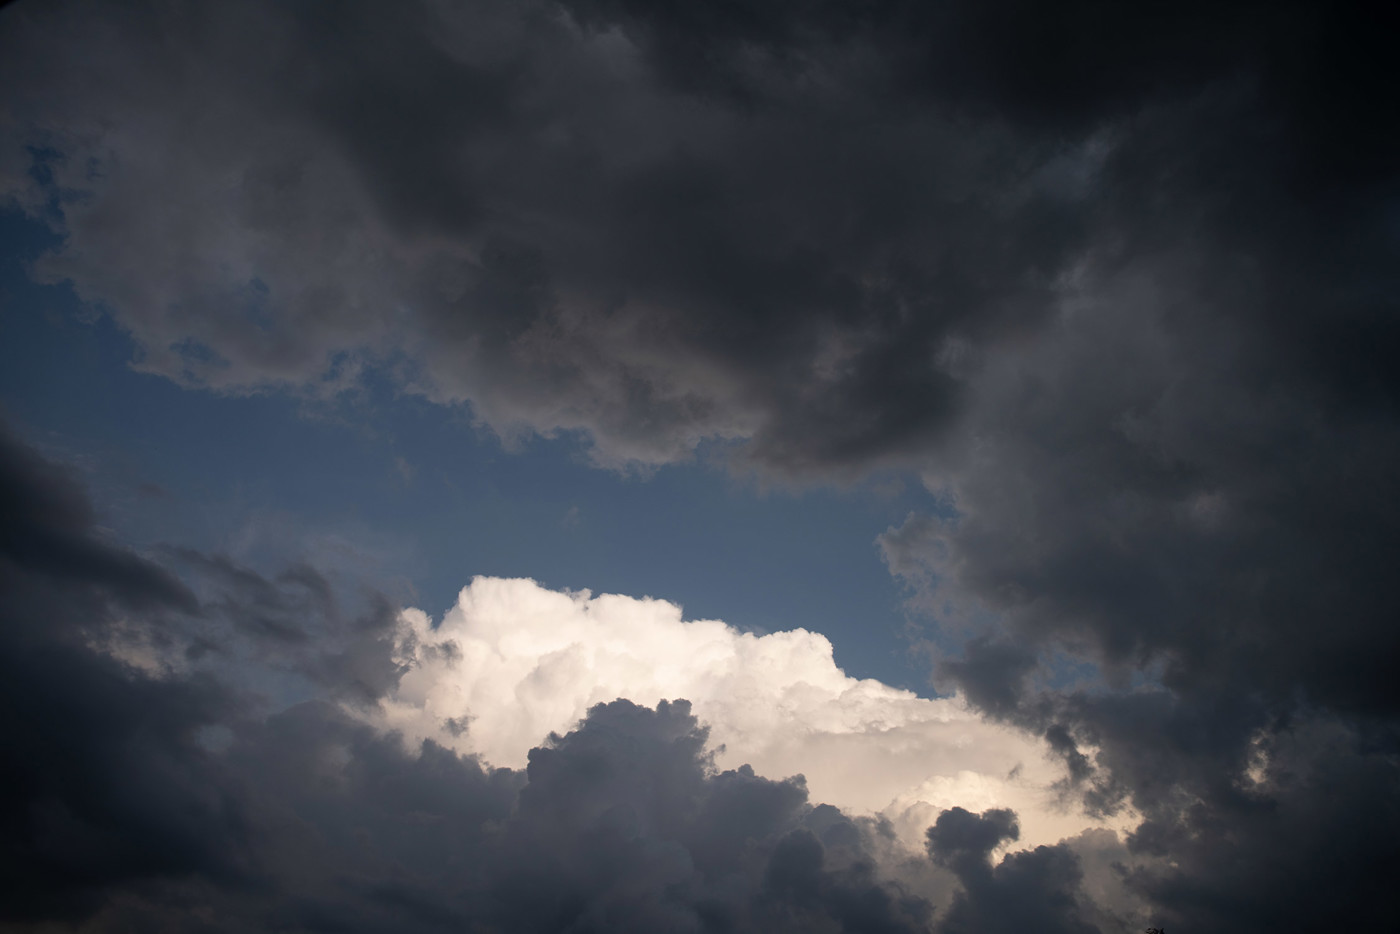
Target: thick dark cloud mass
pixel 1031 890
pixel 502 204
pixel 793 224
pixel 104 781
pixel 1119 283
pixel 138 795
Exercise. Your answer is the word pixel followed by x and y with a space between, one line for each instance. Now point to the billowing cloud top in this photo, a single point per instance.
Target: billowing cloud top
pixel 513 662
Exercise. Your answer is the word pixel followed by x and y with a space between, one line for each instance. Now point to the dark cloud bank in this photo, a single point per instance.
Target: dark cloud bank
pixel 1119 284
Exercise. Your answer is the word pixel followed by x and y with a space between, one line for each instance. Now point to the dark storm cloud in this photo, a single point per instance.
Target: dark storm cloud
pixel 1187 478
pixel 104 782
pixel 990 673
pixel 796 225
pixel 48 529
pixel 1150 494
pixel 617 826
pixel 1030 890
pixel 506 208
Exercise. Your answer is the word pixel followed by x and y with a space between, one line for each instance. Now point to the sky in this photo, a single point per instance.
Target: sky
pixel 602 466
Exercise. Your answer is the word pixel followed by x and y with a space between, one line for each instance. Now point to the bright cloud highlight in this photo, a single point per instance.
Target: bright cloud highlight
pixel 514 661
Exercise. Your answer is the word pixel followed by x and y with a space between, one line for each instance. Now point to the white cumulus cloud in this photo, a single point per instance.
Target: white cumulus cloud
pixel 514 661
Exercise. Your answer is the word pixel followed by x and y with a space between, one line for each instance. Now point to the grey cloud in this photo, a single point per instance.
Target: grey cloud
pixel 296 620
pixel 800 227
pixel 1311 846
pixel 504 209
pixel 1186 479
pixel 1154 489
pixel 965 840
pixel 1036 889
pixel 990 673
pixel 105 781
pixel 48 529
pixel 1181 508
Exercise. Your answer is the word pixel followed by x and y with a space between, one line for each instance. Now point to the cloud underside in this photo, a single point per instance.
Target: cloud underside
pixel 1118 285
pixel 799 232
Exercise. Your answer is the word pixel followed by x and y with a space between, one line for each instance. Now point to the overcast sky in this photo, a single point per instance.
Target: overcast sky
pixel 624 465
